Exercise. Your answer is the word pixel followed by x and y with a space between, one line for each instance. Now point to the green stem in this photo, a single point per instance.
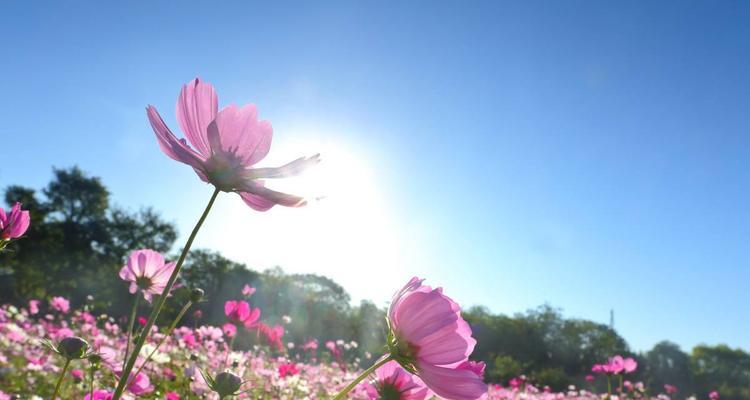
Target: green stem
pixel 166 335
pixel 125 376
pixel 609 387
pixel 229 349
pixel 131 324
pixel 91 389
pixel 60 379
pixel 342 394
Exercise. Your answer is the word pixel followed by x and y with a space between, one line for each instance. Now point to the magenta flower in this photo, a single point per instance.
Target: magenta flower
pixel 248 290
pixel 99 395
pixel 429 337
pixel 288 369
pixel 225 144
pixel 60 304
pixel 34 307
pixel 714 395
pixel 670 389
pixel 393 382
pixel 172 396
pixel 146 271
pixel 15 224
pixel 240 313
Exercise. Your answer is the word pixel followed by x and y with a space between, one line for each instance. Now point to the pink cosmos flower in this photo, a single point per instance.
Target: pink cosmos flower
pixel 142 321
pixel 714 395
pixel 288 369
pixel 670 389
pixel 629 365
pixel 311 345
pixel 147 271
pixel 248 290
pixel 99 395
pixel 430 338
pixel 393 382
pixel 34 307
pixel 224 145
pixel 60 304
pixel 589 378
pixel 240 313
pixel 15 224
pixel 229 330
pixel 272 335
pixel 139 384
pixel 172 396
pixel 77 375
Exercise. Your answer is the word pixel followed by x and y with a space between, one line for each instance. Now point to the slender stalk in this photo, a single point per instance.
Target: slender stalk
pixel 229 349
pixel 342 394
pixel 166 335
pixel 91 389
pixel 131 324
pixel 60 379
pixel 160 302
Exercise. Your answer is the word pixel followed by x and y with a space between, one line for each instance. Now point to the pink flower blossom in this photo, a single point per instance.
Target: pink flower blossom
pixel 272 335
pixel 77 375
pixel 670 389
pixel 172 396
pixel 147 271
pixel 393 382
pixel 714 395
pixel 142 321
pixel 288 369
pixel 229 330
pixel 60 304
pixel 99 395
pixel 14 224
pixel 311 345
pixel 34 307
pixel 248 290
pixel 589 378
pixel 429 336
pixel 224 145
pixel 240 313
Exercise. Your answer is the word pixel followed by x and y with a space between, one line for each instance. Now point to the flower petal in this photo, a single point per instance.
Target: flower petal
pixel 196 108
pixel 237 132
pixel 176 149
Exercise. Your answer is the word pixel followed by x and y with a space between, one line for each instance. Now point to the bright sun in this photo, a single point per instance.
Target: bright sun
pixel 345 233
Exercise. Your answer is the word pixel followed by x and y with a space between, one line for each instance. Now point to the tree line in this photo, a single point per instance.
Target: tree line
pixel 78 241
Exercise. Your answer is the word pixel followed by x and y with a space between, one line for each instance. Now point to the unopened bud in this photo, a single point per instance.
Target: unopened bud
pixel 196 295
pixel 73 347
pixel 226 384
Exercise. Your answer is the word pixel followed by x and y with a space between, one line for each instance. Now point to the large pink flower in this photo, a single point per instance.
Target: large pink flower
pixel 224 145
pixel 393 382
pixel 430 338
pixel 14 224
pixel 147 271
pixel 240 313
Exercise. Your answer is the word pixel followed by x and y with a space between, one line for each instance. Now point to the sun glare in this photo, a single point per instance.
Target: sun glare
pixel 345 232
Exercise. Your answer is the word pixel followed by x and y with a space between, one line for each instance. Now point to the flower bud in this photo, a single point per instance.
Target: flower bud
pixel 95 360
pixel 196 295
pixel 226 384
pixel 73 347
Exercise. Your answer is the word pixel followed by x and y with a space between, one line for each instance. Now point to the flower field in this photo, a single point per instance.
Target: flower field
pixel 296 371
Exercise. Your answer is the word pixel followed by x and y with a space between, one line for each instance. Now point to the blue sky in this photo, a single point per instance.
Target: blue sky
pixel 590 155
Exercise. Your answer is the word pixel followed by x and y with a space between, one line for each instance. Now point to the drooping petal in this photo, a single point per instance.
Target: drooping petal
pixel 453 383
pixel 257 188
pixel 256 202
pixel 196 108
pixel 177 150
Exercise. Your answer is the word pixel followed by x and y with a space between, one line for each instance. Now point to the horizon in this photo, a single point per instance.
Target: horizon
pixel 516 154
